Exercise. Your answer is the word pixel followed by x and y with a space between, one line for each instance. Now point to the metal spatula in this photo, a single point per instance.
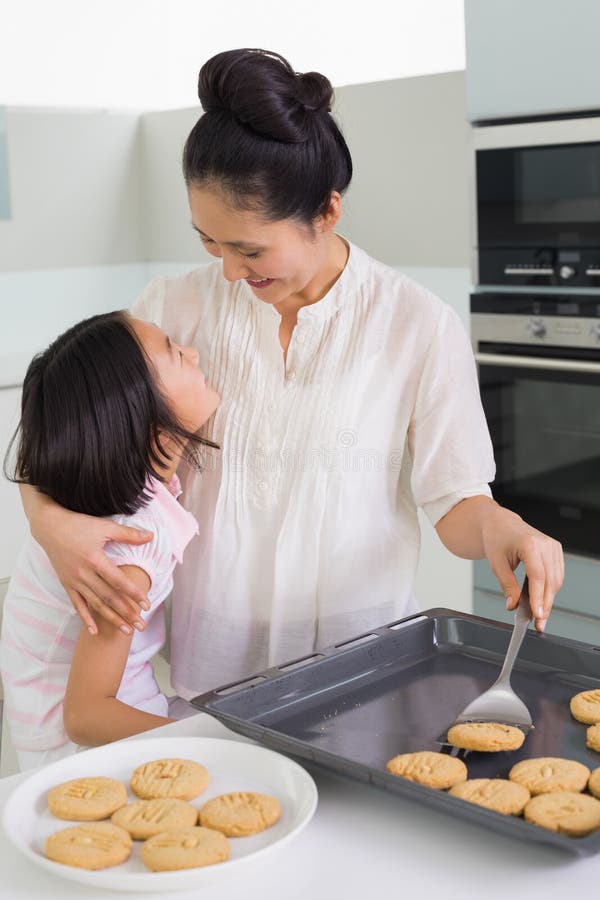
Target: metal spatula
pixel 500 703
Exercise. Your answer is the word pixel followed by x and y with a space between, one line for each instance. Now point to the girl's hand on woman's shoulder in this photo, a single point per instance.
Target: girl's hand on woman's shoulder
pixel 74 544
pixel 508 540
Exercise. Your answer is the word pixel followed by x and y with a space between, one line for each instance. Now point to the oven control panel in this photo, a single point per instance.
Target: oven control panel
pixel 545 267
pixel 561 321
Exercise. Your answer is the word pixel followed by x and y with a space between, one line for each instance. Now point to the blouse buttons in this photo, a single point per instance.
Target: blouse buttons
pixel 291 375
pixel 301 337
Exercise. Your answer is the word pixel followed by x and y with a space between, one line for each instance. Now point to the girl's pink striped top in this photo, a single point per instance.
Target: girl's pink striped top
pixel 40 627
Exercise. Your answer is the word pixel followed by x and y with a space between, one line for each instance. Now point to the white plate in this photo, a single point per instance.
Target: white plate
pixel 233 766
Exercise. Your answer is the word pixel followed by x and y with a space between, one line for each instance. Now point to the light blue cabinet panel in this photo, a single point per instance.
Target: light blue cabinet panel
pixel 564 624
pixel 580 592
pixel 531 57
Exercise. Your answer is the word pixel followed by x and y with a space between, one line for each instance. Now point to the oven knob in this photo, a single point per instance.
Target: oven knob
pixel 566 272
pixel 536 328
pixel 595 331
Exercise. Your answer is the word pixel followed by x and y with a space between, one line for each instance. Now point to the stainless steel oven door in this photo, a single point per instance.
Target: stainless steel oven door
pixel 543 409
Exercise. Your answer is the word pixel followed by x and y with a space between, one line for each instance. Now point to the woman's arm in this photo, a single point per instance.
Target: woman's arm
pixel 92 714
pixel 74 544
pixel 478 527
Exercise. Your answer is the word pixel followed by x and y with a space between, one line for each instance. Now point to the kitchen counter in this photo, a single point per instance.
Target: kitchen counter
pixel 361 841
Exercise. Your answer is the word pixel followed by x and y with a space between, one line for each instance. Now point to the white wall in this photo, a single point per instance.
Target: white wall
pixel 146 53
pixel 408 201
pixel 75 189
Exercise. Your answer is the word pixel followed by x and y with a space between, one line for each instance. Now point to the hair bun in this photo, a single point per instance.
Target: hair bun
pixel 261 90
pixel 316 92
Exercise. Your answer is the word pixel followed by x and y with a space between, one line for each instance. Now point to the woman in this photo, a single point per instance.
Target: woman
pixel 349 399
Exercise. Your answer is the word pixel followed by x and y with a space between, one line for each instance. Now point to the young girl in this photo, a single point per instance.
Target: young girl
pixel 108 411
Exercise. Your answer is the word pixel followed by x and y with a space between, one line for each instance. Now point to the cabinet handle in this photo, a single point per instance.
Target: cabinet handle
pixel 517 270
pixel 537 362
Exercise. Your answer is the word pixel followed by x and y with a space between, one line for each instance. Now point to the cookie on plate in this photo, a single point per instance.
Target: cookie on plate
pixel 548 775
pixel 87 799
pixel 593 737
pixel 185 848
pixel 594 783
pixel 487 737
pixel 182 779
pixel 144 818
pixel 585 707
pixel 499 794
pixel 96 845
pixel 567 812
pixel 436 770
pixel 240 813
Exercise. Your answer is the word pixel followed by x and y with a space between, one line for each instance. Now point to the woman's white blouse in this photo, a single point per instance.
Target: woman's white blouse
pixel 308 521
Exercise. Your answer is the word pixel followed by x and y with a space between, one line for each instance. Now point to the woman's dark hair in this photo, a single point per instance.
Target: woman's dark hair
pixel 267 137
pixel 93 420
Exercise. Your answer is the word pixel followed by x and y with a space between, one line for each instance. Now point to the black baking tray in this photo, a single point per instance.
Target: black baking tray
pixel 352 707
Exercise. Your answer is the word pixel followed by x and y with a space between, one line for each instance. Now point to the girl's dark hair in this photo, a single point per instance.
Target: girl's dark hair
pixel 93 420
pixel 267 136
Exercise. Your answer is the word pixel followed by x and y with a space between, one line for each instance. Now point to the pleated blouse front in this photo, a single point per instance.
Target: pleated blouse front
pixel 308 512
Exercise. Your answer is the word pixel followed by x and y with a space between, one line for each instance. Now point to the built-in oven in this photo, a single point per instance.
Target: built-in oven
pixel 539 369
pixel 536 204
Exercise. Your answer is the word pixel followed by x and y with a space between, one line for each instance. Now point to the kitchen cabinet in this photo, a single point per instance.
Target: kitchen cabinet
pixel 576 613
pixel 533 58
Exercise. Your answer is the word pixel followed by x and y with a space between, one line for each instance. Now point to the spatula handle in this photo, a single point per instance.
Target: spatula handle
pixel 523 617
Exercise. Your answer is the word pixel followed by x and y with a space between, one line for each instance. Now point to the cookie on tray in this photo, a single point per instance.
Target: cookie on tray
pixel 487 737
pixel 87 799
pixel 593 737
pixel 567 812
pixel 585 707
pixel 185 848
pixel 96 845
pixel 436 770
pixel 182 779
pixel 240 813
pixel 145 818
pixel 499 794
pixel 548 775
pixel 594 783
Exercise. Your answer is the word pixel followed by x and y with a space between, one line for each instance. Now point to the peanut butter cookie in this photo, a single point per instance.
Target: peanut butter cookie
pixel 499 794
pixel 240 814
pixel 144 818
pixel 566 812
pixel 436 770
pixel 488 737
pixel 548 775
pixel 87 799
pixel 585 707
pixel 182 779
pixel 97 845
pixel 593 737
pixel 594 783
pixel 186 848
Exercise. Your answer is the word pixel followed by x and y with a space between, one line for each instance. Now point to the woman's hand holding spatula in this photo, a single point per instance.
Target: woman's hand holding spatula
pixel 479 527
